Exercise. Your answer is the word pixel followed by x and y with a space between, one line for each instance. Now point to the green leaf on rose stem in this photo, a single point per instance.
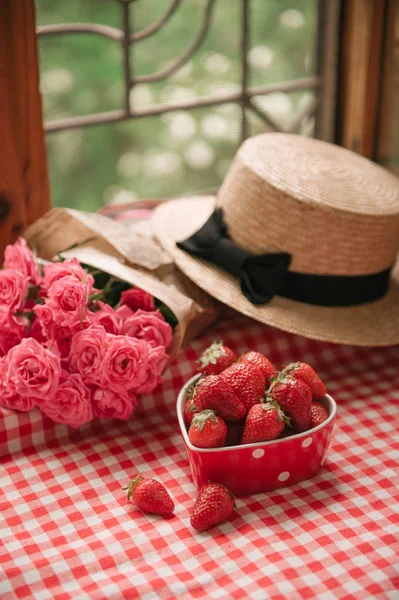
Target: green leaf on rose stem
pixel 93 272
pixel 114 295
pixel 101 280
pixel 100 277
pixel 169 315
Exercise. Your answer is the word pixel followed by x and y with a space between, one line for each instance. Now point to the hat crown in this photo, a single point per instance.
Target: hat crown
pixel 334 211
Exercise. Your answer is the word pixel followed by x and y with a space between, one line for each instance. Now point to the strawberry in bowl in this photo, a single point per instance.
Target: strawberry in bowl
pixel 255 429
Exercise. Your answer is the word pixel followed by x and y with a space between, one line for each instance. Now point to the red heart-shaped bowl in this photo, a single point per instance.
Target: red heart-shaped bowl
pixel 260 467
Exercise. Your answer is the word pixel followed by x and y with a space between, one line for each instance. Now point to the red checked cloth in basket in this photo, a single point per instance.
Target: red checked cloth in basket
pixel 67 532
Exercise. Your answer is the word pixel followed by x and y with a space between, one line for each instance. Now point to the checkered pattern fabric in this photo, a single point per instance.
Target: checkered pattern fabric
pixel 68 532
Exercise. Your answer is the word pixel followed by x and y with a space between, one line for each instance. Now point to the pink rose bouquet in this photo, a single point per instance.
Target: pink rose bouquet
pixel 75 342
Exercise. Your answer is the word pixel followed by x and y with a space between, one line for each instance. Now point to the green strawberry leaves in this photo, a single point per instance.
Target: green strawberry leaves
pixel 211 354
pixel 201 418
pixel 270 403
pixel 132 484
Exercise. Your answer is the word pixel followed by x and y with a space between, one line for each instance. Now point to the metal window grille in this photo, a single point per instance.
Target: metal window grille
pixel 322 84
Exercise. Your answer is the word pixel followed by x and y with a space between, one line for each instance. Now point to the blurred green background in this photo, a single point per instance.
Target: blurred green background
pixel 180 152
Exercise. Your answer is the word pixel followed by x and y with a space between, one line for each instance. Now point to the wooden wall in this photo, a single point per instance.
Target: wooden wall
pixel 24 189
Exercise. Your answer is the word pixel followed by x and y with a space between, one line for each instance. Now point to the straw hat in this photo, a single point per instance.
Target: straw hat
pixel 303 235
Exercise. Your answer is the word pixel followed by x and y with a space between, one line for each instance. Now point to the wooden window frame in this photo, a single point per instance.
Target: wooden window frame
pixel 365 74
pixel 24 187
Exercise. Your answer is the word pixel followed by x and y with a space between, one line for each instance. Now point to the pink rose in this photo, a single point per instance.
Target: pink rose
pixel 137 298
pixel 52 331
pixel 112 405
pixel 32 370
pixel 17 402
pixel 107 317
pixel 12 330
pixel 28 305
pixel 67 299
pixel 45 317
pixel 125 363
pixel 63 337
pixel 149 326
pixel 123 312
pixel 36 331
pixel 58 270
pixel 13 289
pixel 3 374
pixel 157 359
pixel 70 404
pixel 8 397
pixel 20 257
pixel 88 351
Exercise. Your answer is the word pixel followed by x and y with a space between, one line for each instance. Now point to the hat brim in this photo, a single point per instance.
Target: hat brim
pixel 372 324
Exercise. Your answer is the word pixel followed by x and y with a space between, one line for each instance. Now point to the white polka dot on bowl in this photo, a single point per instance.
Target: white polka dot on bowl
pixel 307 442
pixel 258 453
pixel 283 476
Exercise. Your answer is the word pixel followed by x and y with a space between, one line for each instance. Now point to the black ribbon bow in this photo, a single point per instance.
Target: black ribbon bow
pixel 261 277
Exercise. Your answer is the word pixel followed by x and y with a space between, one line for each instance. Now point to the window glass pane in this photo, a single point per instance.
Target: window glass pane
pixel 215 67
pixel 286 113
pixel 178 152
pixel 80 73
pixel 283 36
pixel 155 157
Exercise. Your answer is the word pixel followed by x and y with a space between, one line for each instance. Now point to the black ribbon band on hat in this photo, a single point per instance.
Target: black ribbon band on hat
pixel 264 276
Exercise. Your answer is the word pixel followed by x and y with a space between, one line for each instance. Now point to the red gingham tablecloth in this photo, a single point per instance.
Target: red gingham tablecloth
pixel 68 532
